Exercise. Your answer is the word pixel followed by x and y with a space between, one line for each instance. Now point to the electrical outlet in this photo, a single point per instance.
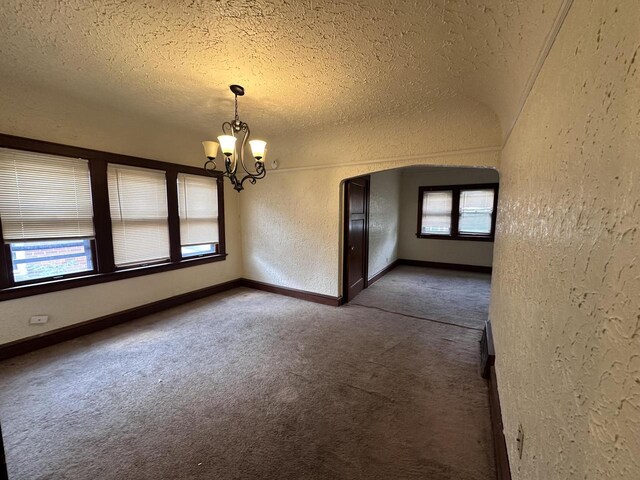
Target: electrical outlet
pixel 520 440
pixel 39 319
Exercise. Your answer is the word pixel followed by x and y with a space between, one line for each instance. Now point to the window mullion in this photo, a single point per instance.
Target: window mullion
pixel 174 218
pixel 221 230
pixel 101 216
pixel 455 212
pixel 5 262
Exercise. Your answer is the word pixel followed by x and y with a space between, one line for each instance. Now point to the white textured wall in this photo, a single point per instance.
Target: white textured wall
pixel 462 252
pixel 384 213
pixel 291 222
pixel 566 286
pixel 59 119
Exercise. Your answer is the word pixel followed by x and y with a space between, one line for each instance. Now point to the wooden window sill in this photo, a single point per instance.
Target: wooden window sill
pixel 95 278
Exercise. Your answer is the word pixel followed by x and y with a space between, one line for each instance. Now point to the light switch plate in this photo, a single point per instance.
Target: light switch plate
pixel 39 319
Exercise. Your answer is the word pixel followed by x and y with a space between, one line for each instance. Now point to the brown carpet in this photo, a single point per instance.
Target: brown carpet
pixel 252 385
pixel 449 296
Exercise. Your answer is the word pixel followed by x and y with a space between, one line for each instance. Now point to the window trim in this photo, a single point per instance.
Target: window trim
pixel 104 265
pixel 455 211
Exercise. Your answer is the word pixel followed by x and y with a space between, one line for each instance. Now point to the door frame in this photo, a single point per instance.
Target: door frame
pixel 345 240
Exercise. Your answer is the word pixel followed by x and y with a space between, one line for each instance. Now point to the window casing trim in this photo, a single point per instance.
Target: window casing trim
pixel 104 265
pixel 455 212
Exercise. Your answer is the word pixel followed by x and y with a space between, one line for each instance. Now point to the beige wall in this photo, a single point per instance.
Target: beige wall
pixel 566 286
pixel 291 221
pixel 444 251
pixel 59 119
pixel 384 218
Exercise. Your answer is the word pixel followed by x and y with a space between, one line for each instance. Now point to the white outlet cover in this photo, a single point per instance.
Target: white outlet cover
pixel 39 319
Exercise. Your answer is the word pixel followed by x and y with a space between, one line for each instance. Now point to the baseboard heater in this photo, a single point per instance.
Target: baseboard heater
pixel 488 371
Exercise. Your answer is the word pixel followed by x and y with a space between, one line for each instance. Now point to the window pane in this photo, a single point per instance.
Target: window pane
pixel 436 213
pixel 198 210
pixel 139 214
pixel 195 250
pixel 476 210
pixel 44 196
pixel 34 260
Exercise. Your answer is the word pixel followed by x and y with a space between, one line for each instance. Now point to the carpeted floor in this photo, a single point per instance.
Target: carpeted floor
pixel 449 296
pixel 252 385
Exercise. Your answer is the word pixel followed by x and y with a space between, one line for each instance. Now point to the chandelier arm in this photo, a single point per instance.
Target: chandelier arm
pixel 244 128
pixel 261 173
pixel 227 128
pixel 210 166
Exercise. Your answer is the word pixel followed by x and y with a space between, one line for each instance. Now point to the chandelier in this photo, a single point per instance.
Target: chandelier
pixel 232 131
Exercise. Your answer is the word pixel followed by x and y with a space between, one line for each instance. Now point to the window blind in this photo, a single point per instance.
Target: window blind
pixel 138 204
pixel 44 196
pixel 436 212
pixel 198 209
pixel 476 211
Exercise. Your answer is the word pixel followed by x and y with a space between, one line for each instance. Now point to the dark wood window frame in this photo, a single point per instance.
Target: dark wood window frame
pixel 105 268
pixel 455 211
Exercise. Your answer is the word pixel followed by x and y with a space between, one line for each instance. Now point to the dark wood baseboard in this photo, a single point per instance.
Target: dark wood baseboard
pixel 446 266
pixel 499 443
pixel 383 272
pixel 292 292
pixel 47 339
pixel 26 345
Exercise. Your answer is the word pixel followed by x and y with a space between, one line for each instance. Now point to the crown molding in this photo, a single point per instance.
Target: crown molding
pixel 561 16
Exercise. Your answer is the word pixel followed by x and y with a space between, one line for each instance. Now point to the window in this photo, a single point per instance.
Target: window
pixel 436 212
pixel 71 217
pixel 47 215
pixel 476 212
pixel 139 215
pixel 198 211
pixel 458 212
pixel 50 259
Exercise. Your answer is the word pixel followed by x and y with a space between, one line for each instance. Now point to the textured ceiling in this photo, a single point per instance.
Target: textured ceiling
pixel 304 64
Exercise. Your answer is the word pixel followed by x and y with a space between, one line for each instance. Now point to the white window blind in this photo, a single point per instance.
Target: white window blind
pixel 44 196
pixel 436 212
pixel 138 204
pixel 476 211
pixel 198 209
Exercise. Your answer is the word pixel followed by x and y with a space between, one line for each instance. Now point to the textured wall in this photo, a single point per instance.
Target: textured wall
pixel 565 302
pixel 384 218
pixel 56 118
pixel 446 251
pixel 291 221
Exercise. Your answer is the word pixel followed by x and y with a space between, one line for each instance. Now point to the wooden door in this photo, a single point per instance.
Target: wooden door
pixel 356 236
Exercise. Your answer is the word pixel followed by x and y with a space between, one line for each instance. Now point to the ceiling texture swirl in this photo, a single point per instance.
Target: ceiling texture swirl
pixel 305 64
